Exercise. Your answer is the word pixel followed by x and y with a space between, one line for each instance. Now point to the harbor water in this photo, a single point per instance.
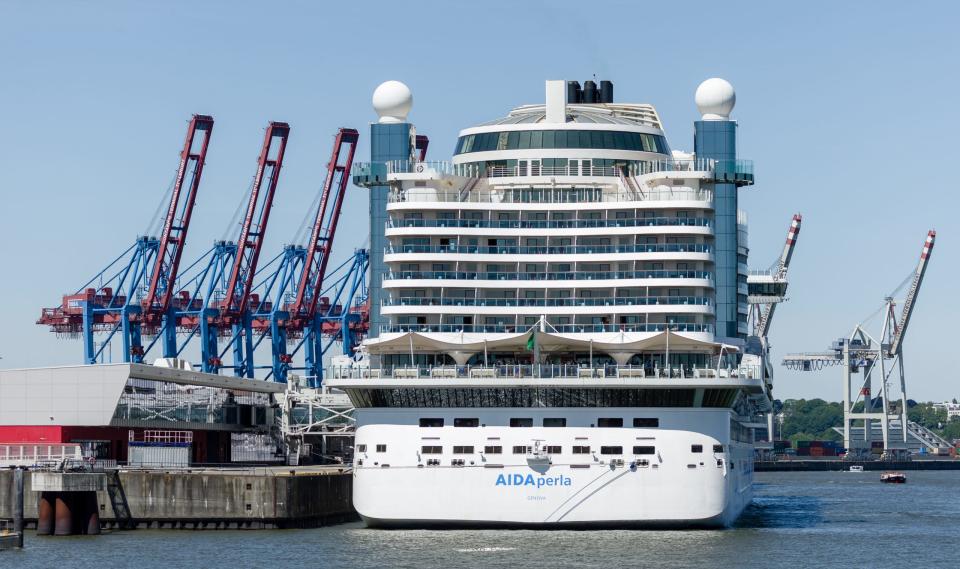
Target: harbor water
pixel 798 519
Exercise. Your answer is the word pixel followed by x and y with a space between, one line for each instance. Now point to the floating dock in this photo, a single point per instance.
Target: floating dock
pixel 236 498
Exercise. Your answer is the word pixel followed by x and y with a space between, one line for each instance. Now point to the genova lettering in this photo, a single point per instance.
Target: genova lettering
pixel 531 480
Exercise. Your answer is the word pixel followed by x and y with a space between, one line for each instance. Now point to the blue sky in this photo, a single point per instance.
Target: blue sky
pixel 848 109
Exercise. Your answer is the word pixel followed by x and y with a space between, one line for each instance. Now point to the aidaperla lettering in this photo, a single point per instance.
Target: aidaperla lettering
pixel 531 480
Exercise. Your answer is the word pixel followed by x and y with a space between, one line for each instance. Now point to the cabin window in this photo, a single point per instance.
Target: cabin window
pixel 555 422
pixel 611 450
pixel 644 450
pixel 553 449
pixel 718 448
pixel 520 449
pixel 431 450
pixel 381 448
pixel 646 422
pixel 610 422
pixel 361 448
pixel 581 450
pixel 493 450
pixel 466 422
pixel 462 450
pixel 521 422
pixel 431 422
pixel 696 448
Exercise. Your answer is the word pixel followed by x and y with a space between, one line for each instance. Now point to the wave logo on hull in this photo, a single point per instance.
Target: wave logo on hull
pixel 531 480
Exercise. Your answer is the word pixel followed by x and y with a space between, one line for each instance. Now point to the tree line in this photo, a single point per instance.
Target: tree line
pixel 814 419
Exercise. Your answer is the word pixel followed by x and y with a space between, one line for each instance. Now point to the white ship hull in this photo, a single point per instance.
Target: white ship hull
pixel 672 488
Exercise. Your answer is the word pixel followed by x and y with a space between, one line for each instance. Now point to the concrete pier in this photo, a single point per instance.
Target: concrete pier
pixel 268 497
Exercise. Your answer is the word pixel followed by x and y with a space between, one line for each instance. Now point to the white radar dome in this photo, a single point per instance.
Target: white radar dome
pixel 392 100
pixel 715 99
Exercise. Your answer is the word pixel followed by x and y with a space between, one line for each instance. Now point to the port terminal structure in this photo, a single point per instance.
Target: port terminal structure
pixel 870 362
pixel 227 299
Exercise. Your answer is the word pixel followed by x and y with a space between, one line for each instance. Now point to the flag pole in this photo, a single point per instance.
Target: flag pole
pixel 412 362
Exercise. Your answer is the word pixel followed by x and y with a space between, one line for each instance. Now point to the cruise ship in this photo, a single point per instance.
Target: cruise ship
pixel 559 332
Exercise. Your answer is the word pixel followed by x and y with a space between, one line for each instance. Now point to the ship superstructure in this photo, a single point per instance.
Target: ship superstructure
pixel 558 321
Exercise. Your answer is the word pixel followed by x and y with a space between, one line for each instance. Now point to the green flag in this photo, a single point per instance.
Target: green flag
pixel 531 341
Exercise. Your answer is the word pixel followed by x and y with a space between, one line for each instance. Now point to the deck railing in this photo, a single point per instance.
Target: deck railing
pixel 550 195
pixel 394 223
pixel 546 276
pixel 551 302
pixel 504 328
pixel 552 249
pixel 543 371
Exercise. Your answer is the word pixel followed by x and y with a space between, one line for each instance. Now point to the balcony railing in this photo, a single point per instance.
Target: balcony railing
pixel 543 371
pixel 548 195
pixel 725 171
pixel 547 276
pixel 552 302
pixel 552 250
pixel 473 170
pixel 394 223
pixel 559 328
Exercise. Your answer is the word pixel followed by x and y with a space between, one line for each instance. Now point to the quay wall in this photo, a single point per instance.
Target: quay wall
pixel 229 498
pixel 840 465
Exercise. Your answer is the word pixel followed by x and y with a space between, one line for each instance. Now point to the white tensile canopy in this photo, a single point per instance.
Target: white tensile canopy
pixel 617 345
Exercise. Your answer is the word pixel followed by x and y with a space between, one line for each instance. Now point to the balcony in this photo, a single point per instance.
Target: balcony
pixel 551 302
pixel 394 223
pixel 551 250
pixel 546 276
pixel 516 196
pixel 558 328
pixel 544 371
pixel 369 174
pixel 739 172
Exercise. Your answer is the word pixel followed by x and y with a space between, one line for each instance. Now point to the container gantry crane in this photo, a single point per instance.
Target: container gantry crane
pixel 138 298
pixel 306 267
pixel 766 289
pixel 862 354
pixel 234 310
pixel 766 293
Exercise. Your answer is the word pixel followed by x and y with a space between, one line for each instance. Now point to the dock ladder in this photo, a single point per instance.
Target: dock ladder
pixel 118 499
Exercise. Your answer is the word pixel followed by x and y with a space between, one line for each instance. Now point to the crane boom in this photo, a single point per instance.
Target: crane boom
pixel 780 274
pixel 911 298
pixel 325 225
pixel 174 235
pixel 421 142
pixel 255 222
